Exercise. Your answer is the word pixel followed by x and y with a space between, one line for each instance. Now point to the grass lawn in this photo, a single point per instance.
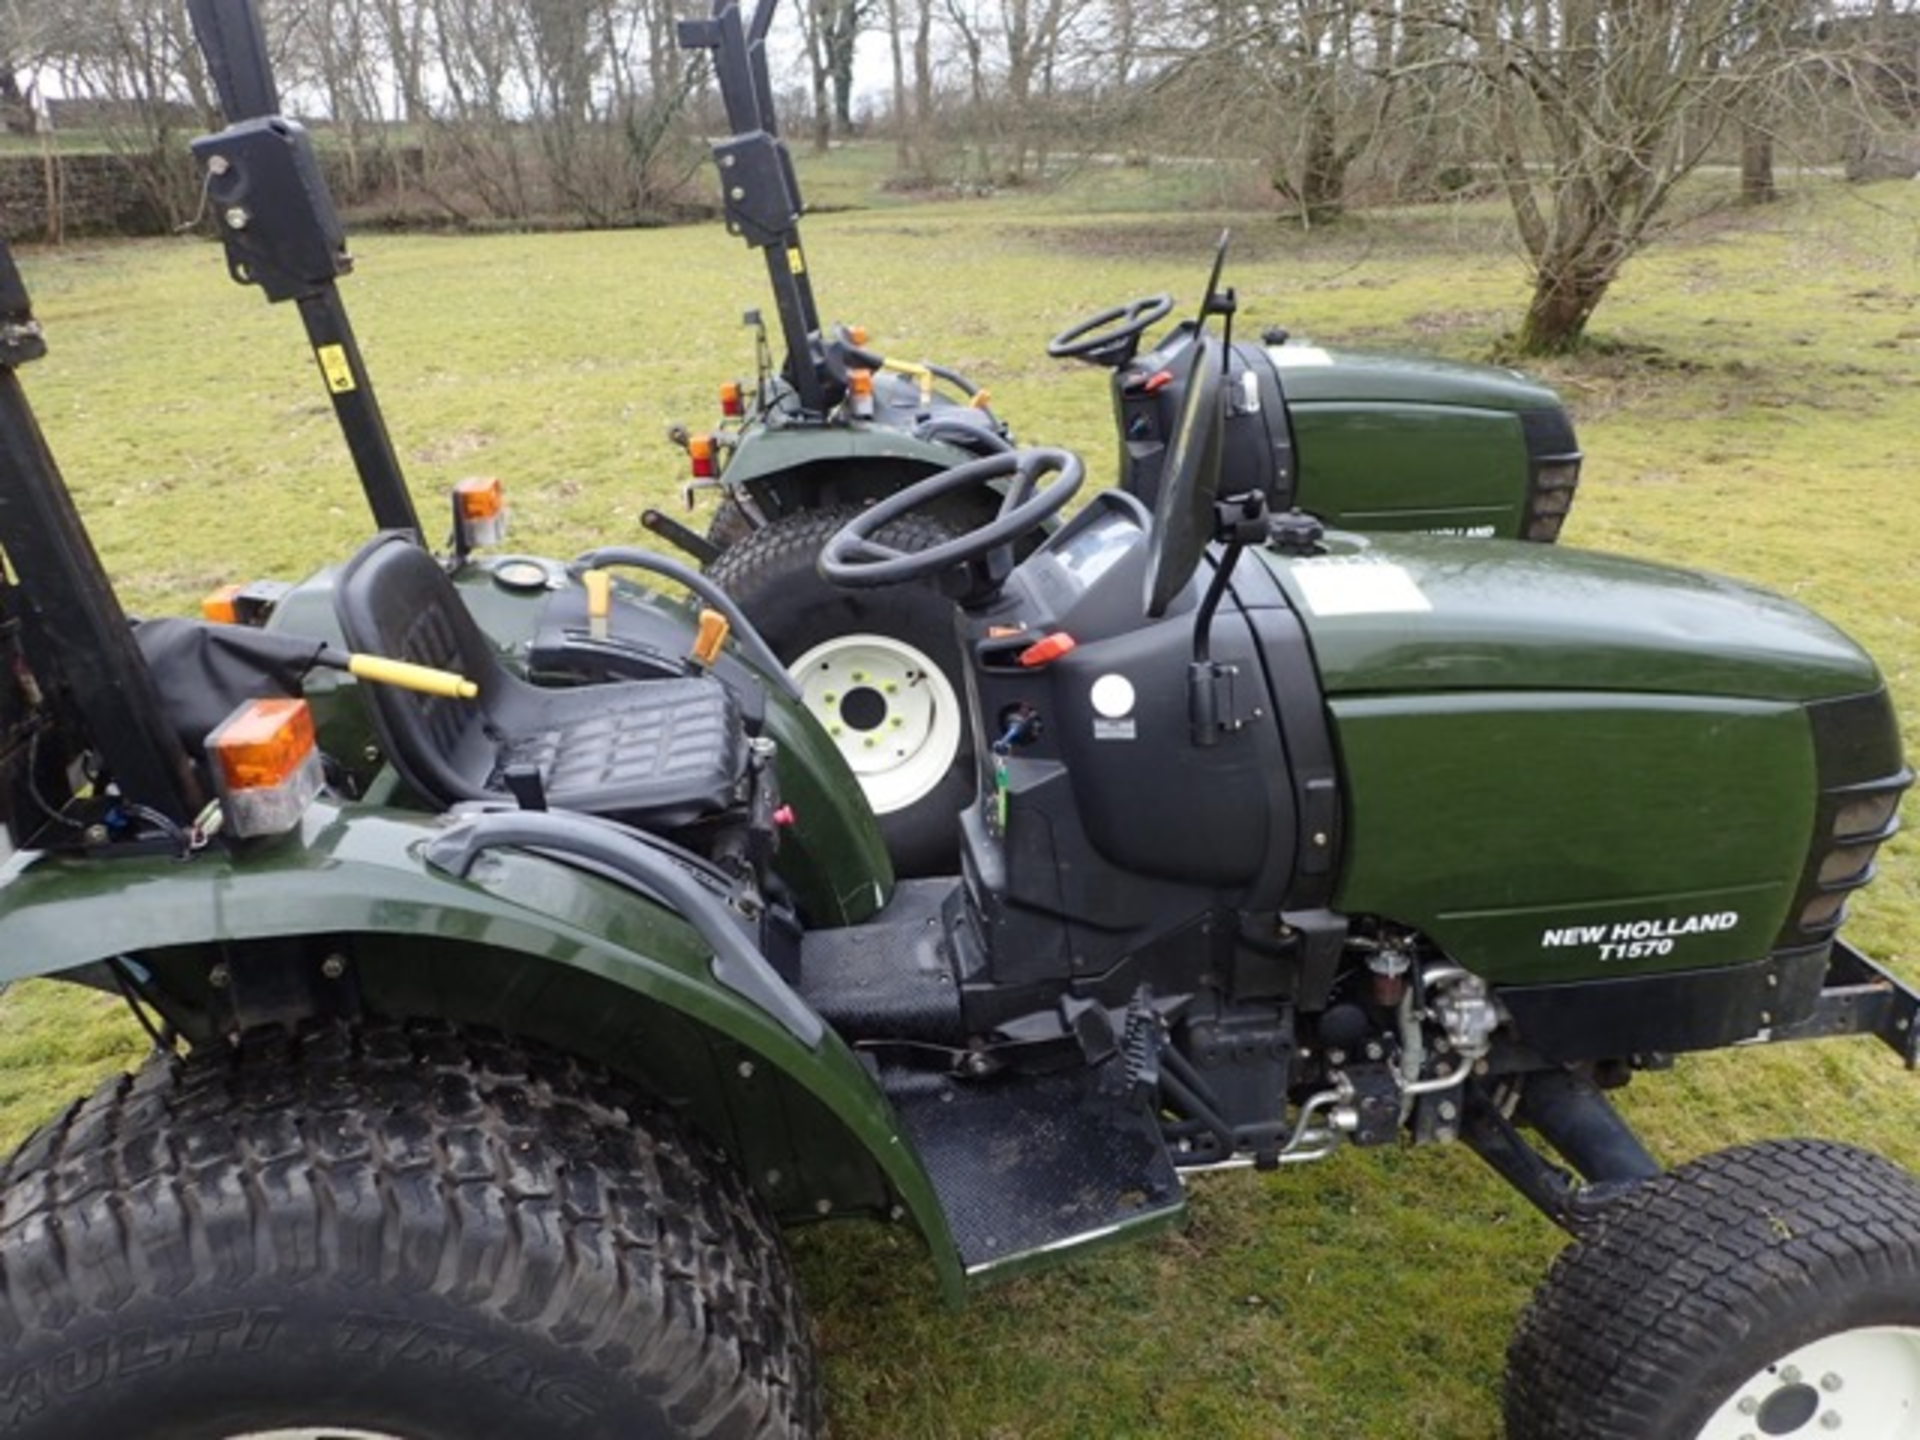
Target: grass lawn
pixel 1753 410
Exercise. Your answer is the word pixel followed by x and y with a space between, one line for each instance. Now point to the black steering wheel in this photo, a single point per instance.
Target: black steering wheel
pixel 1111 336
pixel 855 556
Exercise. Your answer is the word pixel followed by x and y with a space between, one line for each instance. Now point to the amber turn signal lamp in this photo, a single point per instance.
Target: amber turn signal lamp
pixel 220 606
pixel 266 766
pixel 479 512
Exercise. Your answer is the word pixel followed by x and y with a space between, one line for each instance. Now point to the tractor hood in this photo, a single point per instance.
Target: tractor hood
pixel 1314 374
pixel 1398 614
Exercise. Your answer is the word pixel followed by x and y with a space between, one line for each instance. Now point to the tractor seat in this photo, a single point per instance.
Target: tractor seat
pixel 660 754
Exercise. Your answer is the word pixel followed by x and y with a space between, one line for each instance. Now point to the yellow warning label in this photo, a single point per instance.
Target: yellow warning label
pixel 333 365
pixel 796 262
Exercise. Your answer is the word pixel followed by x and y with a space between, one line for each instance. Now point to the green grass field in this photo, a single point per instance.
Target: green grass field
pixel 1754 410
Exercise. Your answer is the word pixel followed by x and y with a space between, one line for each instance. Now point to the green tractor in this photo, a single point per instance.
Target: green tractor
pixel 1365 442
pixel 521 957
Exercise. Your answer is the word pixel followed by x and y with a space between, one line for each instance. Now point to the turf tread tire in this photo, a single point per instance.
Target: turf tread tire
pixel 416 1200
pixel 1698 1278
pixel 729 526
pixel 773 574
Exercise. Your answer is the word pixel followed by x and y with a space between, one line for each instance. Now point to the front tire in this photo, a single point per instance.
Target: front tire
pixel 880 670
pixel 414 1233
pixel 1765 1291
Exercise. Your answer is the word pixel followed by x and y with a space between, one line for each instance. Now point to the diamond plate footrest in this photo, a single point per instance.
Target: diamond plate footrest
pixel 1028 1165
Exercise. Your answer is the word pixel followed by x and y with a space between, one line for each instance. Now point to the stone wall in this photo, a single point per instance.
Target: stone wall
pixel 44 196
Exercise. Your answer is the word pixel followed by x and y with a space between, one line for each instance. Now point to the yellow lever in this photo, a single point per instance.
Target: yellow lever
pixel 918 373
pixel 599 602
pixel 714 629
pixel 407 676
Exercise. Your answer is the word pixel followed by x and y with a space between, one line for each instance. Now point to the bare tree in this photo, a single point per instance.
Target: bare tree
pixel 25 40
pixel 1598 109
pixel 144 91
pixel 1305 85
pixel 831 30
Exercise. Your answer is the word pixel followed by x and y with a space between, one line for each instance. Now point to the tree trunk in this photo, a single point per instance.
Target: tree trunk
pixel 923 67
pixel 14 107
pixel 1564 299
pixel 902 143
pixel 841 35
pixel 1323 170
pixel 1756 166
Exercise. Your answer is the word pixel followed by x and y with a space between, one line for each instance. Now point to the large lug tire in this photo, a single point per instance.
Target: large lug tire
pixel 880 669
pixel 729 525
pixel 1770 1290
pixel 410 1233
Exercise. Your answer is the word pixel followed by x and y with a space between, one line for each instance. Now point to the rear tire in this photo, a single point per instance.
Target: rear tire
pixel 410 1232
pixel 881 673
pixel 729 525
pixel 1769 1290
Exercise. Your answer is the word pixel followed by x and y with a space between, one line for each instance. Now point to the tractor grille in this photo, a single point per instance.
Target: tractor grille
pixel 1861 781
pixel 1553 461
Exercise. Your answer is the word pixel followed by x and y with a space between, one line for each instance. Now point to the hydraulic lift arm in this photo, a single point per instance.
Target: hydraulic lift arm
pixel 758 188
pixel 276 216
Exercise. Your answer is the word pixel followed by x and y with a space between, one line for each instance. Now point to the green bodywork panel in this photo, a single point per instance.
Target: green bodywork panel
pixel 526 943
pixel 1564 765
pixel 1394 614
pixel 1373 467
pixel 1536 836
pixel 1395 442
pixel 1316 375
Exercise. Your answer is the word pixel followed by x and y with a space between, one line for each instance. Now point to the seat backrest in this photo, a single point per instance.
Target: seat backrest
pixel 393 599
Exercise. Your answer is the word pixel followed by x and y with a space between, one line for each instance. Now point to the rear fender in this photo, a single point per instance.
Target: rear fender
pixel 349 913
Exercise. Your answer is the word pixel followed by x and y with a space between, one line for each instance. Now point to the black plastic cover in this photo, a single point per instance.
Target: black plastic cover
pixel 202 671
pixel 275 213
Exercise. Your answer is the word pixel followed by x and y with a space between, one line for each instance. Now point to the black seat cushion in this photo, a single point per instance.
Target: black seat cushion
pixel 673 748
pixel 654 753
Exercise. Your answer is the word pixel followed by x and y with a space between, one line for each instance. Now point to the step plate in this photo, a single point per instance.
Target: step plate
pixel 1028 1165
pixel 891 978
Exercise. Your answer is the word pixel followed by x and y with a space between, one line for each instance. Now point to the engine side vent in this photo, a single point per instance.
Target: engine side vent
pixel 1553 472
pixel 1862 778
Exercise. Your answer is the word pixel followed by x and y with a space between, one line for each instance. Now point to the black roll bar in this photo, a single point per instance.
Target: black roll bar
pixel 73 623
pixel 759 191
pixel 276 216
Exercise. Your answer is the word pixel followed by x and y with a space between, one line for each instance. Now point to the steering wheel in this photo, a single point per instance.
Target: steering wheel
pixel 855 556
pixel 1111 336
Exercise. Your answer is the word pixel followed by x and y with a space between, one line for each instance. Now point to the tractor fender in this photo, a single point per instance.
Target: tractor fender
pixel 583 935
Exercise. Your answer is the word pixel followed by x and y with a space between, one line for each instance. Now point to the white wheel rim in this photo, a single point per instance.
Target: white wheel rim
pixel 1856 1385
pixel 888 709
pixel 315 1432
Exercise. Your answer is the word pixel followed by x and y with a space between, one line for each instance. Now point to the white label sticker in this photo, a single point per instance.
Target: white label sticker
pixel 1112 696
pixel 1298 357
pixel 1113 730
pixel 1359 585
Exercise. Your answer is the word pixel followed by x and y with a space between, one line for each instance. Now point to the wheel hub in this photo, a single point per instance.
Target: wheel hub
pixel 888 709
pixel 1861 1384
